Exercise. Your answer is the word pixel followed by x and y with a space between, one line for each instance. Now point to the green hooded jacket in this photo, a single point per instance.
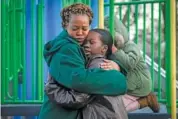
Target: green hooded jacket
pixel 131 61
pixel 137 73
pixel 67 65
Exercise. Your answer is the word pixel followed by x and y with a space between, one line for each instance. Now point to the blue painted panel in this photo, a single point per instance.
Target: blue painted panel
pixel 52 23
pixel 94 6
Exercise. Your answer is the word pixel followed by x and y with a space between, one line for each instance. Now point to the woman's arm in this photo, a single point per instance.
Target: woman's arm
pixel 67 67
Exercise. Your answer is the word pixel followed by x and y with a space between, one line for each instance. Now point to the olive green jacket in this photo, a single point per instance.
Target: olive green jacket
pixel 129 57
pixel 137 73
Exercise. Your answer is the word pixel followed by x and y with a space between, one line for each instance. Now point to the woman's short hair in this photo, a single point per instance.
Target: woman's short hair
pixel 76 8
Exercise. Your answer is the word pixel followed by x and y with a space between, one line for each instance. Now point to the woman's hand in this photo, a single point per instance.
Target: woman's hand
pixel 109 65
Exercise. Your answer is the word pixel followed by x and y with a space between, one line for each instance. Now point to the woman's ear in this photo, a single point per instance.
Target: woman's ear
pixel 66 25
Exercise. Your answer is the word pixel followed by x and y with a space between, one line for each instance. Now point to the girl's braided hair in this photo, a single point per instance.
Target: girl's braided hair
pixel 77 9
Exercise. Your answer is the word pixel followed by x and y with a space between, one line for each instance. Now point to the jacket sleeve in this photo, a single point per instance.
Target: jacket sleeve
pixel 128 58
pixel 95 63
pixel 64 97
pixel 67 67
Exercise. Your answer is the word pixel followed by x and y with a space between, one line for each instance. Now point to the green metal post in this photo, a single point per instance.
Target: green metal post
pixel 19 11
pixel 159 53
pixel 40 47
pixel 128 18
pixel 152 45
pixel 80 1
pixel 10 46
pixel 17 32
pixel 168 55
pixel 24 52
pixel 88 2
pixel 7 49
pixel 144 30
pixel 3 26
pixel 120 12
pixel 171 57
pixel 69 2
pixel 137 2
pixel 136 23
pixel 33 47
pixel 26 102
pixel 111 14
pixel 14 60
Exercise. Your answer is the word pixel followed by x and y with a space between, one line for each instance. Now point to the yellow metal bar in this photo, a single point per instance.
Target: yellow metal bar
pixel 101 13
pixel 173 57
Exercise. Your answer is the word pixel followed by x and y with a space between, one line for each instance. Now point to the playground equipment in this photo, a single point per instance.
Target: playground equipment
pixel 27 24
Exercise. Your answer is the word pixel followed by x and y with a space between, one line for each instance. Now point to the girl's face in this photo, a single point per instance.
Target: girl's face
pixel 78 27
pixel 93 44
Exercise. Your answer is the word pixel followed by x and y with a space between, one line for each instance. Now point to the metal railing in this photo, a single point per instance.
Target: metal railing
pixel 22 45
pixel 23 32
pixel 146 30
pixel 166 15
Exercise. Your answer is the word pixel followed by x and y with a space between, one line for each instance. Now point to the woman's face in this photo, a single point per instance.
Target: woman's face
pixel 94 45
pixel 78 27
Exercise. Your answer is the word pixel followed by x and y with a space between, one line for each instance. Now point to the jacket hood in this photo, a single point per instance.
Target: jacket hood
pixel 121 34
pixel 119 27
pixel 53 46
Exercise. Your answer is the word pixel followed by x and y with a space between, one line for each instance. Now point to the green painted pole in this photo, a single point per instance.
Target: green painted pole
pixel 8 69
pixel 24 52
pixel 33 47
pixel 152 45
pixel 136 23
pixel 26 102
pixel 128 18
pixel 144 30
pixel 40 47
pixel 120 12
pixel 111 14
pixel 14 59
pixel 168 55
pixel 137 2
pixel 88 2
pixel 10 45
pixel 171 57
pixel 159 53
pixel 42 44
pixel 18 11
pixel 3 40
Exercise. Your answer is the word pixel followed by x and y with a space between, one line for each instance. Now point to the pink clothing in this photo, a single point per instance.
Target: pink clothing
pixel 130 102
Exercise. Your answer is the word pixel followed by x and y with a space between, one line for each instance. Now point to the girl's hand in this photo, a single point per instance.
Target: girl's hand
pixel 109 65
